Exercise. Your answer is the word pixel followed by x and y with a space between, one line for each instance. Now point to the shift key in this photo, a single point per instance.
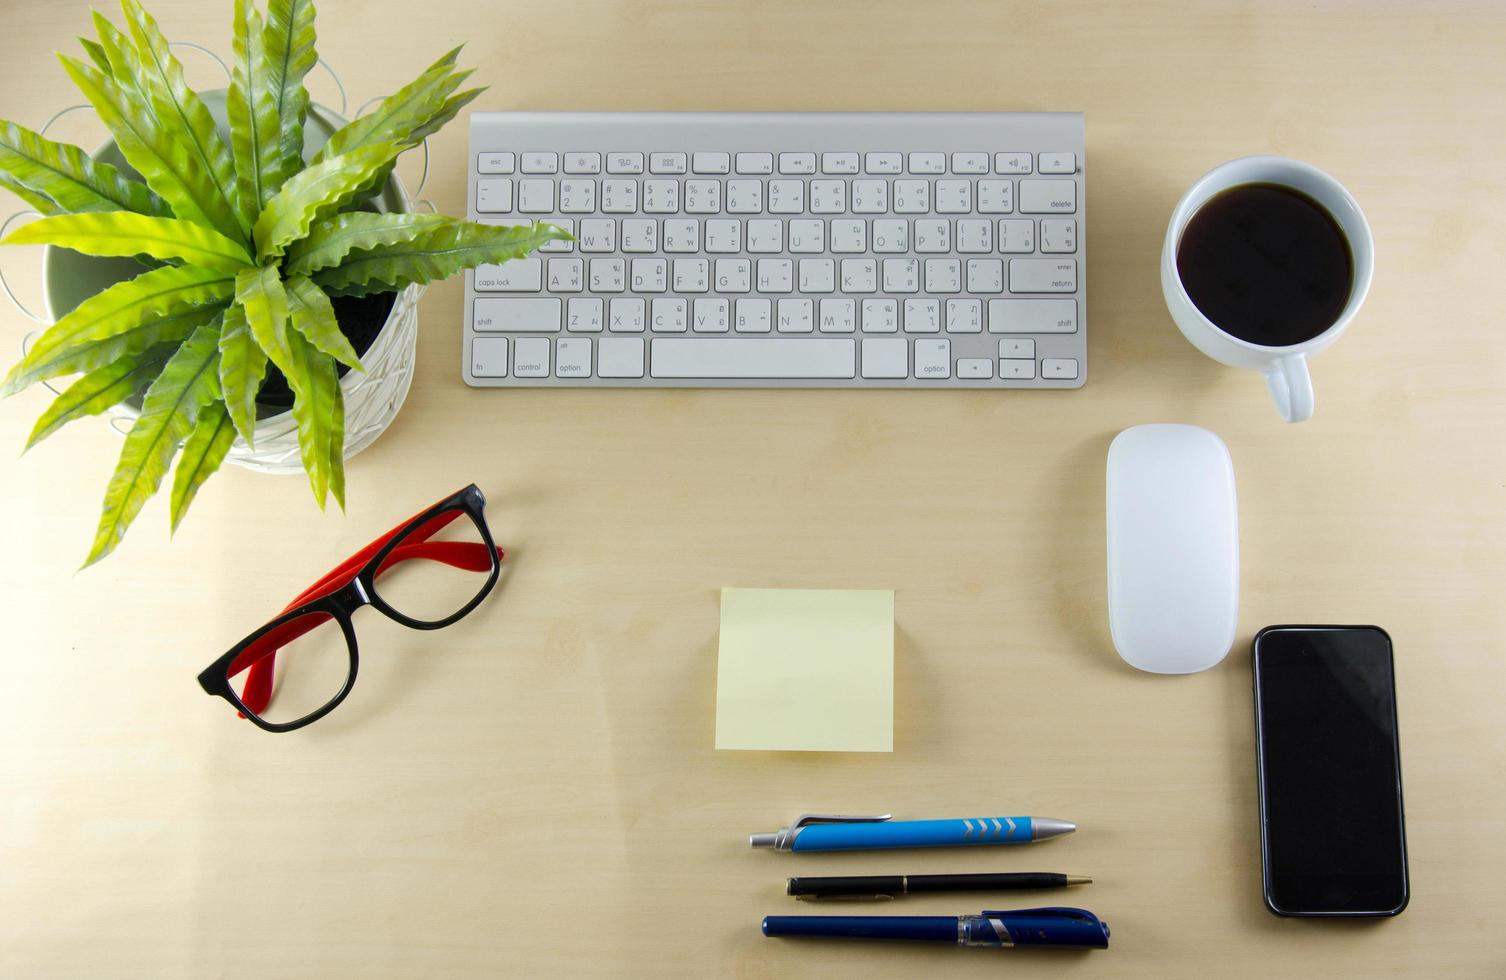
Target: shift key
pixel 1043 275
pixel 508 315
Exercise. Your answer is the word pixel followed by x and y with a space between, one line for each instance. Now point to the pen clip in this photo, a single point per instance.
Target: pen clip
pixel 875 897
pixel 783 838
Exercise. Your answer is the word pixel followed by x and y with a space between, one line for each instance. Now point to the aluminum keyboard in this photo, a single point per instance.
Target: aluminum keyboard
pixel 827 250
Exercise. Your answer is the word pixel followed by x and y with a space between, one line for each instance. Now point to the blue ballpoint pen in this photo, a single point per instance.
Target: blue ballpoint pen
pixel 1064 928
pixel 829 832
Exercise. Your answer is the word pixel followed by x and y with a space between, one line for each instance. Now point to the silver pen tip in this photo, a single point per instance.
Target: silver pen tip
pixel 1079 880
pixel 1044 828
pixel 763 840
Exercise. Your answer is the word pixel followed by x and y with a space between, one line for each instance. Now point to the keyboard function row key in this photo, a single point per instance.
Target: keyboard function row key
pixel 1015 162
pixel 883 163
pixel 797 163
pixel 666 163
pixel 540 163
pixel 1058 163
pixel 495 163
pixel 624 162
pixel 755 163
pixel 583 163
pixel 839 163
pixel 711 162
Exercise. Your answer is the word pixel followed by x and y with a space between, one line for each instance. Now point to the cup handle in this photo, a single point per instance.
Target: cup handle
pixel 1291 387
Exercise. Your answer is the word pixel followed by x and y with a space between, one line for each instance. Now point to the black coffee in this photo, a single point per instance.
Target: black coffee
pixel 1267 264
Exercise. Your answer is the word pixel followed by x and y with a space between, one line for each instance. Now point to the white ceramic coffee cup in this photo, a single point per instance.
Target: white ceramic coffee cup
pixel 1285 368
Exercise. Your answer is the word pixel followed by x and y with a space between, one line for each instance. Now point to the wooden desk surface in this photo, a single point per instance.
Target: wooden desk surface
pixel 534 792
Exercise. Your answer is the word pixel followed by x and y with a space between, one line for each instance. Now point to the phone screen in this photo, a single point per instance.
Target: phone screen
pixel 1330 774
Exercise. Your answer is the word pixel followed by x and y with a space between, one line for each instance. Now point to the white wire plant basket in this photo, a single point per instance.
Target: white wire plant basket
pixel 372 397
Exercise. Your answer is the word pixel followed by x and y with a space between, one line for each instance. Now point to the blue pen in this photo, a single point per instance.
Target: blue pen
pixel 1064 928
pixel 829 832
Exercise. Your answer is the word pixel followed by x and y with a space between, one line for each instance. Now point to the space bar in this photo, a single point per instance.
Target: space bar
pixel 753 358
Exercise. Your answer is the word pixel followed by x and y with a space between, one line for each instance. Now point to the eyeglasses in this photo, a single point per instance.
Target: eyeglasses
pixel 425 573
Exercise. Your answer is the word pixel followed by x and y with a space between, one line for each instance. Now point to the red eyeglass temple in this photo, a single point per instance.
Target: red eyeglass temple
pixel 261 656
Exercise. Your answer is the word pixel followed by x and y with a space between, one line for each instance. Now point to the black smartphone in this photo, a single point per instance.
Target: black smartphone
pixel 1332 837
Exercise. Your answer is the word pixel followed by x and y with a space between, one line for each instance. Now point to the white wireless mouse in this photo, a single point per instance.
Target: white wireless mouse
pixel 1173 526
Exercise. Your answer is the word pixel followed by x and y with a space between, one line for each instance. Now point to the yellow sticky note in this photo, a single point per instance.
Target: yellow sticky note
pixel 806 669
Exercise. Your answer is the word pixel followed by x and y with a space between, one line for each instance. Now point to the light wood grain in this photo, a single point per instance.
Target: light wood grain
pixel 534 791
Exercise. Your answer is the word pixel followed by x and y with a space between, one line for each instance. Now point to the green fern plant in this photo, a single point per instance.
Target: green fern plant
pixel 243 244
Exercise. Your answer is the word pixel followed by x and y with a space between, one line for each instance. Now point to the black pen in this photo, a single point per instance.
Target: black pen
pixel 879 887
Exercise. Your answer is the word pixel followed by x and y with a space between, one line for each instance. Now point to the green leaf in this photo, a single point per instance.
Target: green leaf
pixel 129 316
pixel 319 411
pixel 121 64
pixel 432 251
pixel 394 118
pixel 331 239
pixel 167 417
pixel 289 47
pixel 255 133
pixel 66 175
pixel 101 390
pixel 434 121
pixel 97 55
pixel 314 193
pixel 124 233
pixel 168 167
pixel 181 114
pixel 203 453
pixel 243 364
pixel 311 314
pixel 40 203
pixel 264 301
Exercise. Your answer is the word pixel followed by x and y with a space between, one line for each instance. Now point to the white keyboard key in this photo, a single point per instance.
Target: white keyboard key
pixel 703 196
pixel 901 275
pixel 985 275
pixel 625 315
pixel 530 358
pixel 567 275
pixel 922 316
pixel 1059 368
pixel 572 356
pixel 711 316
pixel 755 163
pixel 1017 235
pixel 880 315
pixel 670 315
pixel 692 275
pixel 666 163
pixel 753 358
pixel 933 359
pixel 1042 275
pixel 870 196
pixel 661 196
pixel 776 276
pixel 521 315
pixel 540 163
pixel 619 357
pixel 786 196
pixel 807 235
pixel 838 315
pixel 1055 196
pixel 711 162
pixel 883 163
pixel 975 235
pixel 933 235
pixel 943 276
pixel 797 163
pixel 839 163
pixel 964 316
pixel 928 163
pixel 859 275
pixel 818 275
pixel 608 275
pixel 1032 316
pixel 640 235
pixel 489 357
pixel 1058 163
pixel 583 315
pixel 796 316
pixel 724 235
pixel 1017 347
pixel 849 235
pixel 1012 163
pixel 912 196
pixel 1017 370
pixel 754 315
pixel 619 196
pixel 886 358
pixel 513 276
pixel 766 235
pixel 891 235
pixel 597 235
pixel 494 163
pixel 583 163
pixel 734 275
pixel 682 235
pixel 624 163
pixel 650 275
pixel 1058 235
pixel 995 196
pixel 828 196
pixel 494 195
pixel 970 163
pixel 744 196
pixel 974 368
pixel 560 245
pixel 577 194
pixel 954 196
